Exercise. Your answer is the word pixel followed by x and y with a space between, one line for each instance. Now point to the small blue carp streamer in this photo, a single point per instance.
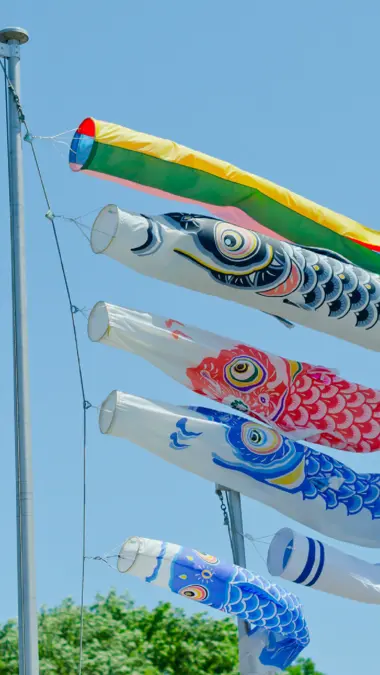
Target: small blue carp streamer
pixel 266 607
pixel 239 592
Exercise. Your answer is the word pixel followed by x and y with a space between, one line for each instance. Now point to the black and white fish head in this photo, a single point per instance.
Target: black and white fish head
pixel 183 242
pixel 231 254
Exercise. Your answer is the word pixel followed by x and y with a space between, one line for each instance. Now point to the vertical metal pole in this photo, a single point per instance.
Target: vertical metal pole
pixel 238 554
pixel 27 611
pixel 247 658
pixel 237 532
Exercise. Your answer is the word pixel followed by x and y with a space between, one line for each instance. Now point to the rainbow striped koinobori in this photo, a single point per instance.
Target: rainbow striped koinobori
pixel 170 170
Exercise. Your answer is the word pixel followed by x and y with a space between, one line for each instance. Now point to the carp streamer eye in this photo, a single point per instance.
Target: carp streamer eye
pixel 260 441
pixel 244 373
pixel 195 592
pixel 255 437
pixel 234 244
pixel 241 367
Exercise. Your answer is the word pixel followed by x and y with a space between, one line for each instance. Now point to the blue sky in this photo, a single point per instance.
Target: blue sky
pixel 286 90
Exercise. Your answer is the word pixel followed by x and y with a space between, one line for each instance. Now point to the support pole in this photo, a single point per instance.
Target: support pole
pixel 236 522
pixel 12 38
pixel 239 558
pixel 246 658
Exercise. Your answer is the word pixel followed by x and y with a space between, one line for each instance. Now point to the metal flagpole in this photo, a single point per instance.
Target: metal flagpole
pixel 246 661
pixel 246 645
pixel 239 558
pixel 10 41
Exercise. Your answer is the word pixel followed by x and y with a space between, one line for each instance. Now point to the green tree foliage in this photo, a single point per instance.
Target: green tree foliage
pixel 304 667
pixel 121 639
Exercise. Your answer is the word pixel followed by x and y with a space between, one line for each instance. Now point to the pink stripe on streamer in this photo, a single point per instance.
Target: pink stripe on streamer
pixel 75 167
pixel 229 213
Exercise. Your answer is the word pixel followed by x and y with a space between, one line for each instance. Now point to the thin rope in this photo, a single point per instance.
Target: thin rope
pixel 73 311
pixel 77 224
pixel 88 213
pixel 30 138
pixel 52 138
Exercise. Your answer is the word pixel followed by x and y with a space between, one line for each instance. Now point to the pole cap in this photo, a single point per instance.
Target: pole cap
pixel 14 33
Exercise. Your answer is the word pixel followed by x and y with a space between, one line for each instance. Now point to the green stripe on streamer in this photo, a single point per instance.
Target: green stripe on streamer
pixel 200 186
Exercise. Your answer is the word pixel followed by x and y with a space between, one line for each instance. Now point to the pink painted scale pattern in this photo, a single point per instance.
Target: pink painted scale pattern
pixel 296 397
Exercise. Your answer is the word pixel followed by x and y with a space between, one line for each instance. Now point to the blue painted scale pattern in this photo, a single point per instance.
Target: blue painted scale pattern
pixel 323 476
pixel 238 592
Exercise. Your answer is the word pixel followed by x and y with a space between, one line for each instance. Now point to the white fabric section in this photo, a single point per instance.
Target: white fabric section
pixel 250 648
pixel 133 418
pixel 141 557
pixel 338 573
pixel 287 540
pixel 101 237
pixel 128 554
pixel 160 341
pixel 172 254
